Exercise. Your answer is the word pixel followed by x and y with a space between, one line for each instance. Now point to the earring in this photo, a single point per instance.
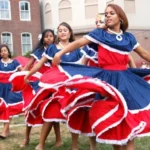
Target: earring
pixel 121 21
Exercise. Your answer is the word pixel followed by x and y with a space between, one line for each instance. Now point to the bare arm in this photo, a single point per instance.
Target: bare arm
pixel 36 68
pixel 84 61
pixel 30 62
pixel 131 62
pixel 143 53
pixel 72 46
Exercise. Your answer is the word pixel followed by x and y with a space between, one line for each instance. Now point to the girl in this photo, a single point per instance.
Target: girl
pixel 11 103
pixel 100 21
pixel 131 111
pixel 65 36
pixel 47 38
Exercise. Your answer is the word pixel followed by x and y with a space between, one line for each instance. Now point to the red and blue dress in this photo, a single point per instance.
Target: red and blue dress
pixel 30 89
pixel 104 100
pixel 41 100
pixel 11 103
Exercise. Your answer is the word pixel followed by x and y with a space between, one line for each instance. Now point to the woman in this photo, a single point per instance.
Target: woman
pixel 11 103
pixel 114 46
pixel 91 49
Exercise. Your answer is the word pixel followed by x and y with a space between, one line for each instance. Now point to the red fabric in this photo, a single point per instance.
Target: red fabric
pixel 4 77
pixel 22 60
pixel 18 83
pixel 110 117
pixel 32 120
pixel 4 112
pixel 52 111
pixel 78 119
pixel 69 98
pixel 27 95
pixel 53 76
pixel 111 60
pixel 16 109
pixel 43 69
pixel 92 63
pixel 147 78
pixel 39 97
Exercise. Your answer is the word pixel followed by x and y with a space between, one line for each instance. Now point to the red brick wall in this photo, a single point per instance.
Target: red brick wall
pixel 16 26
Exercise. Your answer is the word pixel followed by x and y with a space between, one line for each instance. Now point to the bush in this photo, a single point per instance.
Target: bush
pixel 27 54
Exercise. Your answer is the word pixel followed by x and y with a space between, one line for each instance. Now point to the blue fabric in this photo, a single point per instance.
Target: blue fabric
pixel 8 96
pixel 140 72
pixel 51 50
pixel 35 85
pixel 90 50
pixel 10 67
pixel 5 88
pixel 127 44
pixel 38 53
pixel 135 90
pixel 70 57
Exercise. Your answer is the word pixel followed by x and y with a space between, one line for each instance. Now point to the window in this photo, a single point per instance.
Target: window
pixel 91 8
pixel 48 15
pixel 24 8
pixel 26 43
pixel 129 6
pixel 6 38
pixel 65 11
pixel 5 10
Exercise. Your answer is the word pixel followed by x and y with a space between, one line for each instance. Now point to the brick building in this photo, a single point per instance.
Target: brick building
pixel 20 24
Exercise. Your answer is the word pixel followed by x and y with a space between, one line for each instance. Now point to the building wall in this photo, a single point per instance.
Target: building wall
pixel 16 27
pixel 137 12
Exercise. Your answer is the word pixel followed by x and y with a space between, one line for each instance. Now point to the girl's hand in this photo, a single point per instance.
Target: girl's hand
pixel 26 79
pixel 56 59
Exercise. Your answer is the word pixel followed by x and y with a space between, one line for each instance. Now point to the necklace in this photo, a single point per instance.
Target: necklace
pixel 63 47
pixel 5 62
pixel 118 35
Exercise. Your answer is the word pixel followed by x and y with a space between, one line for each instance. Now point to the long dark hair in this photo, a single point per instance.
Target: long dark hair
pixel 72 38
pixel 123 18
pixel 9 52
pixel 41 42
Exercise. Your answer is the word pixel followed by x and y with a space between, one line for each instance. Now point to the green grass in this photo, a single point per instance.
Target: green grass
pixel 17 136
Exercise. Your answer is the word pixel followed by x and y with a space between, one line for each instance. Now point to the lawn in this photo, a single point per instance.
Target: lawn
pixel 17 136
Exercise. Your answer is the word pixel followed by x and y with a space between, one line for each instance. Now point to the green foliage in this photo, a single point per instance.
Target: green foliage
pixel 13 54
pixel 18 133
pixel 27 54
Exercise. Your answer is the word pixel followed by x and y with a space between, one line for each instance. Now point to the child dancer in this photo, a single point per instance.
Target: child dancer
pixel 65 36
pixel 11 103
pixel 47 38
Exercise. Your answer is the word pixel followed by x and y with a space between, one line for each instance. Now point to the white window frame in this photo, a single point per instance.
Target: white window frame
pixel 89 4
pixel 110 2
pixel 29 19
pixel 9 9
pixel 65 7
pixel 24 43
pixel 11 38
pixel 49 10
